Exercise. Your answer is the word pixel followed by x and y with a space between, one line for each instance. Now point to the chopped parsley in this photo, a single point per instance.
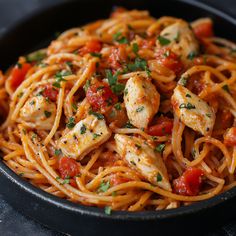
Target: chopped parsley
pixel 183 81
pixel 97 115
pixel 154 138
pixel 159 177
pixel 74 106
pixel 104 186
pixel 71 123
pixel 96 54
pixel 166 53
pixel 33 136
pixel 126 92
pixel 47 113
pixel 69 63
pixel 188 95
pixel 83 129
pixel 226 88
pixel 116 87
pixel 107 210
pixel 65 181
pixel 32 103
pixel 133 163
pixel 57 152
pixel 128 125
pixel 139 63
pixel 87 85
pixel 36 56
pixel 208 115
pixel 20 95
pixel 160 148
pixel 135 48
pixel 118 37
pixel 163 41
pixel 138 146
pixel 60 77
pixel 139 109
pixel 117 106
pixel 188 106
pixel 192 55
pixel 95 135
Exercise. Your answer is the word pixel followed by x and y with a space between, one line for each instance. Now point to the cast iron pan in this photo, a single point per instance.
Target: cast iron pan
pixel 36 31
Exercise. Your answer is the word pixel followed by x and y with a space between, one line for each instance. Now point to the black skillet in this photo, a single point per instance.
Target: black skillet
pixel 36 31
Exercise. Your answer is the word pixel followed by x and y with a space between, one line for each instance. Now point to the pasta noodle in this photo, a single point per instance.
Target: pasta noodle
pixel 129 113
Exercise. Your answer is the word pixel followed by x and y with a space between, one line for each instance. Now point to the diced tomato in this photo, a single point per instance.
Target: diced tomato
pixel 18 74
pixel 101 97
pixel 73 183
pixel 204 30
pixel 230 137
pixel 50 92
pixel 189 183
pixel 147 43
pixel 68 167
pixel 117 56
pixel 162 127
pixel 169 59
pixel 117 11
pixel 116 179
pixel 91 46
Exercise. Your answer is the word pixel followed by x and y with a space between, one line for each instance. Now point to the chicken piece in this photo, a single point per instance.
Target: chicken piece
pixel 182 40
pixel 87 135
pixel 39 113
pixel 141 157
pixel 193 111
pixel 141 101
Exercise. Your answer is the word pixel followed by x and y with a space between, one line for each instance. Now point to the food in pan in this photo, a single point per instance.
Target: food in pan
pixel 129 113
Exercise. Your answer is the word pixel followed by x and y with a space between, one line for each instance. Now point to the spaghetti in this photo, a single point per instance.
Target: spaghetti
pixel 129 113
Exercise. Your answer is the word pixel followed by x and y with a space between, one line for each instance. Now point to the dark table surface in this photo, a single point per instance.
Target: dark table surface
pixel 13 223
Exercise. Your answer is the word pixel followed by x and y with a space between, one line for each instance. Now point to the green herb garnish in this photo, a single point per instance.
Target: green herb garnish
pixel 36 56
pixel 135 48
pixel 96 114
pixel 163 41
pixel 188 106
pixel 107 210
pixel 159 178
pixel 95 135
pixel 104 186
pixel 118 37
pixel 57 152
pixel 83 129
pixel 71 123
pixel 117 106
pixel 192 55
pixel 139 109
pixel 96 54
pixel 87 85
pixel 160 148
pixel 47 113
pixel 116 87
pixel 226 88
